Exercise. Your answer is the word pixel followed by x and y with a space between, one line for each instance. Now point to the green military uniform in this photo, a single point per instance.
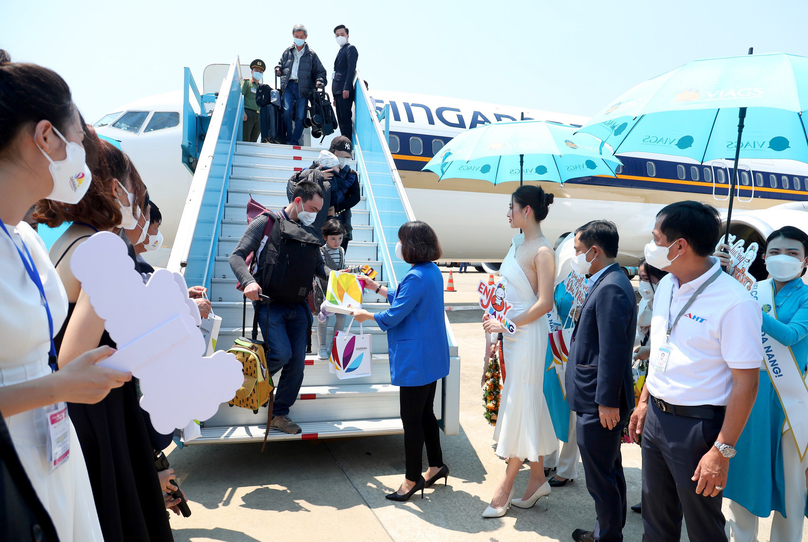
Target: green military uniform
pixel 252 126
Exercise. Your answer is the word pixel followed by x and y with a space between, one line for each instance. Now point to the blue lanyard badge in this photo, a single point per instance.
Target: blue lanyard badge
pixel 30 268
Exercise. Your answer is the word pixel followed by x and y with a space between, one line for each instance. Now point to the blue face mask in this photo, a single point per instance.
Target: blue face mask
pixel 299 42
pixel 257 76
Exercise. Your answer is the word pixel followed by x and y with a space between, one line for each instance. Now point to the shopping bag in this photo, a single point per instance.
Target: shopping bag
pixel 344 293
pixel 210 330
pixel 190 432
pixel 351 354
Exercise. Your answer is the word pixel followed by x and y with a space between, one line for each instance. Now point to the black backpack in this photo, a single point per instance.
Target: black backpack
pixel 288 263
pixel 322 117
pixel 263 95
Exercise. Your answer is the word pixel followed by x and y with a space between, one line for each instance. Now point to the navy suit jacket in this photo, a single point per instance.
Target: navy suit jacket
pixel 344 69
pixel 599 363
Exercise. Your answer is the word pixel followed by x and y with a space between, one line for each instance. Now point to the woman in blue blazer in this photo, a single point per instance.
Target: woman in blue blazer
pixel 419 351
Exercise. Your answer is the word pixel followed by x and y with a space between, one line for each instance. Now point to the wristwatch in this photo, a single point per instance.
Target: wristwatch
pixel 725 449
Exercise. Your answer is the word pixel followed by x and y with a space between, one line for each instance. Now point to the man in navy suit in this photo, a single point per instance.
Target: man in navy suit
pixel 600 388
pixel 342 86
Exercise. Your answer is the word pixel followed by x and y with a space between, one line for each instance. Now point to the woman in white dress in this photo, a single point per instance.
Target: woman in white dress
pixel 42 156
pixel 524 429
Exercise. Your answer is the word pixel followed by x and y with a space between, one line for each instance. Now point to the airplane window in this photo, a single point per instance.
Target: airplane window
pixel 106 119
pixel 708 175
pixel 694 173
pixel 416 145
pixel 745 178
pixel 651 169
pixel 784 182
pixel 680 171
pixel 797 183
pixel 437 144
pixel 805 184
pixel 162 120
pixel 618 170
pixel 395 144
pixel 131 121
pixel 720 175
pixel 758 179
pixel 773 181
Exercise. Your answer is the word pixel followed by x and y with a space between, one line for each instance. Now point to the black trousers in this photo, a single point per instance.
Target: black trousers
pixel 605 480
pixel 343 107
pixel 420 427
pixel 672 447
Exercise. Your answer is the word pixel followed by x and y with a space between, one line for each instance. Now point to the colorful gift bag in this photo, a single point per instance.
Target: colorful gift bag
pixel 344 293
pixel 210 327
pixel 351 354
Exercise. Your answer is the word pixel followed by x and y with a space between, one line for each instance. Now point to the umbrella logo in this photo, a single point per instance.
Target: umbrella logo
pixel 620 129
pixel 444 164
pixel 688 95
pixel 779 144
pixel 570 144
pixel 685 142
pixel 541 170
pixel 590 164
pixel 485 169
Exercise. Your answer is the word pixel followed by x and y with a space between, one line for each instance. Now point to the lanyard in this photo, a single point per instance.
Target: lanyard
pixel 86 226
pixel 689 302
pixel 31 269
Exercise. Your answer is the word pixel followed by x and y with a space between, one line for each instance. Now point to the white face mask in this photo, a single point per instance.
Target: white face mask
pixel 399 253
pixel 144 232
pixel 341 40
pixel 657 256
pixel 128 219
pixel 155 242
pixel 345 162
pixel 580 265
pixel 258 76
pixel 646 290
pixel 71 176
pixel 783 268
pixel 306 218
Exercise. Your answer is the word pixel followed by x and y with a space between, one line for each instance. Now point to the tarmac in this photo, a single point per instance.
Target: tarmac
pixel 334 489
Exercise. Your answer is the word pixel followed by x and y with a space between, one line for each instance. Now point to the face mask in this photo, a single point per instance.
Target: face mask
pixel 344 162
pixel 258 76
pixel 128 220
pixel 580 265
pixel 657 256
pixel 299 42
pixel 646 290
pixel 71 176
pixel 155 242
pixel 783 268
pixel 341 40
pixel 399 253
pixel 306 218
pixel 144 232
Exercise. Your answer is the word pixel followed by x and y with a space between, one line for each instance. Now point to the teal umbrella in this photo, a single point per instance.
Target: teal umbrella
pixel 522 151
pixel 750 106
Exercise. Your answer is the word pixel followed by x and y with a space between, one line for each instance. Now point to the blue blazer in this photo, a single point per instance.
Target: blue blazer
pixel 599 363
pixel 416 329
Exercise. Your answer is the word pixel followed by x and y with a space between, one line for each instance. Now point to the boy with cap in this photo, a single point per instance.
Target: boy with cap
pixel 249 88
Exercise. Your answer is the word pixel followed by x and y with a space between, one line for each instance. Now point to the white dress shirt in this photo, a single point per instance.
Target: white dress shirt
pixel 720 331
pixel 296 62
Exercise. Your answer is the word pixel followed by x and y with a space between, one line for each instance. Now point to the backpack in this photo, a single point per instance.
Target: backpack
pixel 323 119
pixel 288 262
pixel 254 210
pixel 263 95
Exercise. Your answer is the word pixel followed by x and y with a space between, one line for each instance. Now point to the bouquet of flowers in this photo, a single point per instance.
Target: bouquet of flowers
pixel 492 386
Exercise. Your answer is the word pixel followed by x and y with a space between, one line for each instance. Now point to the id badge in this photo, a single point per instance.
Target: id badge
pixel 253 90
pixel 661 358
pixel 58 435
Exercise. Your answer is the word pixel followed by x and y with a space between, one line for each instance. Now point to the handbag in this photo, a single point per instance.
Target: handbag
pixel 351 354
pixel 210 327
pixel 344 293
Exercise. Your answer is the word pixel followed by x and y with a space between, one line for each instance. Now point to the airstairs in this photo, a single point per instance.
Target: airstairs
pixel 229 172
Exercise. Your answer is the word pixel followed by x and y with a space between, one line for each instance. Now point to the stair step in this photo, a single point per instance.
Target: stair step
pixel 317 372
pixel 231 311
pixel 234 227
pixel 228 334
pixel 243 147
pixel 310 431
pixel 358 251
pixel 236 206
pixel 272 160
pixel 270 193
pixel 225 290
pixel 254 171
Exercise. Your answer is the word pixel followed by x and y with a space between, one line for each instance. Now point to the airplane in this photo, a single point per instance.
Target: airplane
pixel 469 215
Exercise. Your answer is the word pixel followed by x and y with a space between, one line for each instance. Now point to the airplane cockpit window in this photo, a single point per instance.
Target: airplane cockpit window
pixel 745 178
pixel 720 175
pixel 773 180
pixel 106 119
pixel 708 175
pixel 131 121
pixel 694 173
pixel 395 144
pixel 162 120
pixel 784 182
pixel 681 172
pixel 650 167
pixel 758 179
pixel 797 183
pixel 437 144
pixel 416 145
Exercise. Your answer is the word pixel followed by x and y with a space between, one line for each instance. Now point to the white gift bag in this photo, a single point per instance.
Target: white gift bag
pixel 210 330
pixel 351 354
pixel 344 293
pixel 190 432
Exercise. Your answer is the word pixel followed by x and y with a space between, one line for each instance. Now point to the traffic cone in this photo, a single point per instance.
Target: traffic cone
pixel 450 287
pixel 490 280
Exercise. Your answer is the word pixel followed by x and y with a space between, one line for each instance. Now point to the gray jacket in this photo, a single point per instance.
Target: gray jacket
pixel 309 72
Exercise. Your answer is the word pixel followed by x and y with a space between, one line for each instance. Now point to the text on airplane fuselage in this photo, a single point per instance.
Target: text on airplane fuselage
pixel 451 117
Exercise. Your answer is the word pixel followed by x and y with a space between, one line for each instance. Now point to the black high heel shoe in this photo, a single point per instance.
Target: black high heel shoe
pixel 419 485
pixel 442 473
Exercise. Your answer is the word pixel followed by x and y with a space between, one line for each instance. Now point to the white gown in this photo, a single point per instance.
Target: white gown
pixel 524 429
pixel 65 493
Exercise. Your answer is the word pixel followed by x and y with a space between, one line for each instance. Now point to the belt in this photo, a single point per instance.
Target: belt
pixel 293 80
pixel 702 412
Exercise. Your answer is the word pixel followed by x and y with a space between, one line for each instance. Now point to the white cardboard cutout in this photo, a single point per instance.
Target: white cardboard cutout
pixel 155 328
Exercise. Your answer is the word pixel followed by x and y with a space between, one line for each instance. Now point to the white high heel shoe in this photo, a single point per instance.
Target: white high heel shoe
pixel 543 491
pixel 491 512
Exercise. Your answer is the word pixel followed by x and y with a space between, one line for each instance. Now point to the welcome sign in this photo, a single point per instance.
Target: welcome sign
pixel 740 260
pixel 492 300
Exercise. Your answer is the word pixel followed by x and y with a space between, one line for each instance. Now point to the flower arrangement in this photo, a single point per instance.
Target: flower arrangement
pixel 492 388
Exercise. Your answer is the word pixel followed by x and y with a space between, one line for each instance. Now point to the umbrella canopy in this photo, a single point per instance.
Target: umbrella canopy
pixel 522 151
pixel 693 111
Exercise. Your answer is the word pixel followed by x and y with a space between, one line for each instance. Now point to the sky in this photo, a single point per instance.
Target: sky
pixel 568 57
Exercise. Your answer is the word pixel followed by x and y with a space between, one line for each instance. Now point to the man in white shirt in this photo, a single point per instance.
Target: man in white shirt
pixel 702 379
